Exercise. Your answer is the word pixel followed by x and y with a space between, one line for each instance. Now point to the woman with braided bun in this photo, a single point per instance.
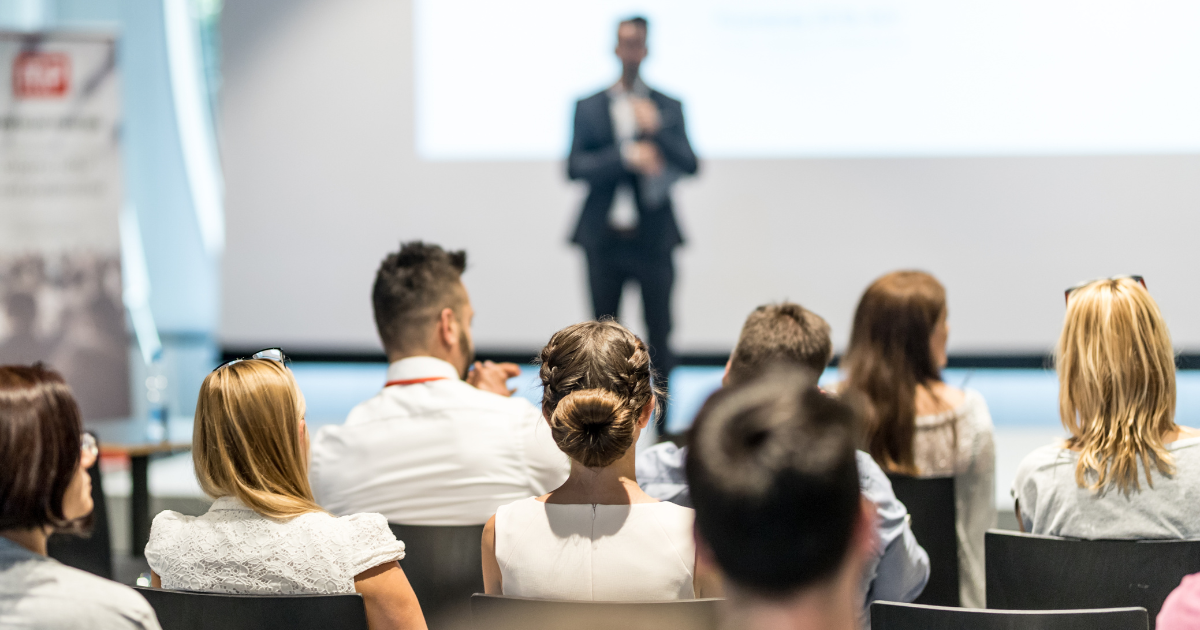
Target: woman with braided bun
pixel 597 537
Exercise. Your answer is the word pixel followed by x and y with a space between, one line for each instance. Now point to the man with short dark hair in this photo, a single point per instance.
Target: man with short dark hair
pixel 775 483
pixel 780 332
pixel 442 444
pixel 788 333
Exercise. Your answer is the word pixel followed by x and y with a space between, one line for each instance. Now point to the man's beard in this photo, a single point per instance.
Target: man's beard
pixel 468 351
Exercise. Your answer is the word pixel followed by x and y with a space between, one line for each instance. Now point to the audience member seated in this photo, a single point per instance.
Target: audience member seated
pixel 439 445
pixel 774 478
pixel 1181 610
pixel 1126 471
pixel 915 423
pixel 790 333
pixel 45 487
pixel 598 536
pixel 264 534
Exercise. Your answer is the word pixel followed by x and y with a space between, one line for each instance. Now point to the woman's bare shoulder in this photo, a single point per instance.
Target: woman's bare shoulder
pixel 938 398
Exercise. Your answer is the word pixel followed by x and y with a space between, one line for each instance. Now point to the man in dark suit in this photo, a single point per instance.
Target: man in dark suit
pixel 630 146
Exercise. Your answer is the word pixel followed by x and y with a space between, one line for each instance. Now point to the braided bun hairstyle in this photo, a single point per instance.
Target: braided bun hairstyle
pixel 596 378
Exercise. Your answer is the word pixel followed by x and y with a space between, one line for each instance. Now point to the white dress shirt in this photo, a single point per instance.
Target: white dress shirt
pixel 438 452
pixel 623 214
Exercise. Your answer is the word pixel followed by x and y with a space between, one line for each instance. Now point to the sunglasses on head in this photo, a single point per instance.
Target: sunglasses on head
pixel 1138 279
pixel 270 354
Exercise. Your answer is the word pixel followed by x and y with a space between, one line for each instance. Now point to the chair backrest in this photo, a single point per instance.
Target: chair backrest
pixel 181 610
pixel 930 503
pixel 1031 572
pixel 495 612
pixel 894 616
pixel 444 565
pixel 91 553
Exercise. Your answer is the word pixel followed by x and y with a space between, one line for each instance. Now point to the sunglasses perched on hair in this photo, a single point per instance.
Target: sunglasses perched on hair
pixel 270 354
pixel 1138 279
pixel 88 446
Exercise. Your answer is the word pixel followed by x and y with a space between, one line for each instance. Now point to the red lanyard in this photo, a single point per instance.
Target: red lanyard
pixel 415 381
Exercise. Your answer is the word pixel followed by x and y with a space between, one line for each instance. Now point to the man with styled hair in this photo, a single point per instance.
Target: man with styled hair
pixel 443 443
pixel 789 334
pixel 774 479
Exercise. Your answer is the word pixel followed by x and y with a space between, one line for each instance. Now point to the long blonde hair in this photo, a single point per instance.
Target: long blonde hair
pixel 248 442
pixel 1116 375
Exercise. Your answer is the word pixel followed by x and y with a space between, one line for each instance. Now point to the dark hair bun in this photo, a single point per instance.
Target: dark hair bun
pixel 593 426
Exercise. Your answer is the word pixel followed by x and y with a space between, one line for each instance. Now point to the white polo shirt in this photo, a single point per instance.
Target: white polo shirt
pixel 437 452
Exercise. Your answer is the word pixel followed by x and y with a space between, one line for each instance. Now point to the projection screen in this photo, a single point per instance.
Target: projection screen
pixel 1011 149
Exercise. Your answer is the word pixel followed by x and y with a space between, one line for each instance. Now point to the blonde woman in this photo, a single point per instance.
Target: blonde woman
pixel 1127 471
pixel 264 534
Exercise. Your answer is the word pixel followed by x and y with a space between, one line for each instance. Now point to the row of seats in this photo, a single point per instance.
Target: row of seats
pixel 1076 583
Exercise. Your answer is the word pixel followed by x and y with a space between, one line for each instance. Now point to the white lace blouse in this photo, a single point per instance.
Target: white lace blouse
pixel 233 549
pixel 961 443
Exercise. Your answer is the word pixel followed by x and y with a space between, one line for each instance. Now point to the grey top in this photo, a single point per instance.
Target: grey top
pixel 899 570
pixel 1053 504
pixel 39 592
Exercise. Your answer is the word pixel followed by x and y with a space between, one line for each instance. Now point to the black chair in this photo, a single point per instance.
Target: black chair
pixel 894 616
pixel 1031 572
pixel 180 610
pixel 444 565
pixel 930 503
pixel 494 612
pixel 92 552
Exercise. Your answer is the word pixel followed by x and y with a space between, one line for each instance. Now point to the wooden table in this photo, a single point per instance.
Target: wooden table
pixel 139 474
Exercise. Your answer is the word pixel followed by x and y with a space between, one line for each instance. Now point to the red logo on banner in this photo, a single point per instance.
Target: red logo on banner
pixel 41 75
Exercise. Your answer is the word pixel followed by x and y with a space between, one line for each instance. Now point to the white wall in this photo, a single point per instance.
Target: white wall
pixel 322 181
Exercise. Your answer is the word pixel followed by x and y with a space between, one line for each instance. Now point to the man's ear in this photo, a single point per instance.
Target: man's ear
pixel 725 376
pixel 447 328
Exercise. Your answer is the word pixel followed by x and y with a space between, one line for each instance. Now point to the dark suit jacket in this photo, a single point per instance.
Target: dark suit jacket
pixel 596 159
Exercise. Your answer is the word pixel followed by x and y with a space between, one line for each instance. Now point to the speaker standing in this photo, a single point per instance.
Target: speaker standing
pixel 630 146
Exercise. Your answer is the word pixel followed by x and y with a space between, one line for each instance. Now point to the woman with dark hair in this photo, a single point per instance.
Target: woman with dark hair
pixel 915 423
pixel 598 536
pixel 44 487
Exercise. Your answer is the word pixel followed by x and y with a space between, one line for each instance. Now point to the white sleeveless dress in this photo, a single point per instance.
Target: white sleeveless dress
pixel 586 552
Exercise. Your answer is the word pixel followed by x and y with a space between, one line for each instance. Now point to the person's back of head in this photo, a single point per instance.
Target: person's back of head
pixel 45 488
pixel 774 483
pixel 596 379
pixel 1116 372
pixel 412 288
pixel 775 333
pixel 250 441
pixel 890 355
pixel 40 431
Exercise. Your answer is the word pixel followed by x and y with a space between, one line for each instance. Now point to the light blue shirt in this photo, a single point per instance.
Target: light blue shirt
pixel 897 574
